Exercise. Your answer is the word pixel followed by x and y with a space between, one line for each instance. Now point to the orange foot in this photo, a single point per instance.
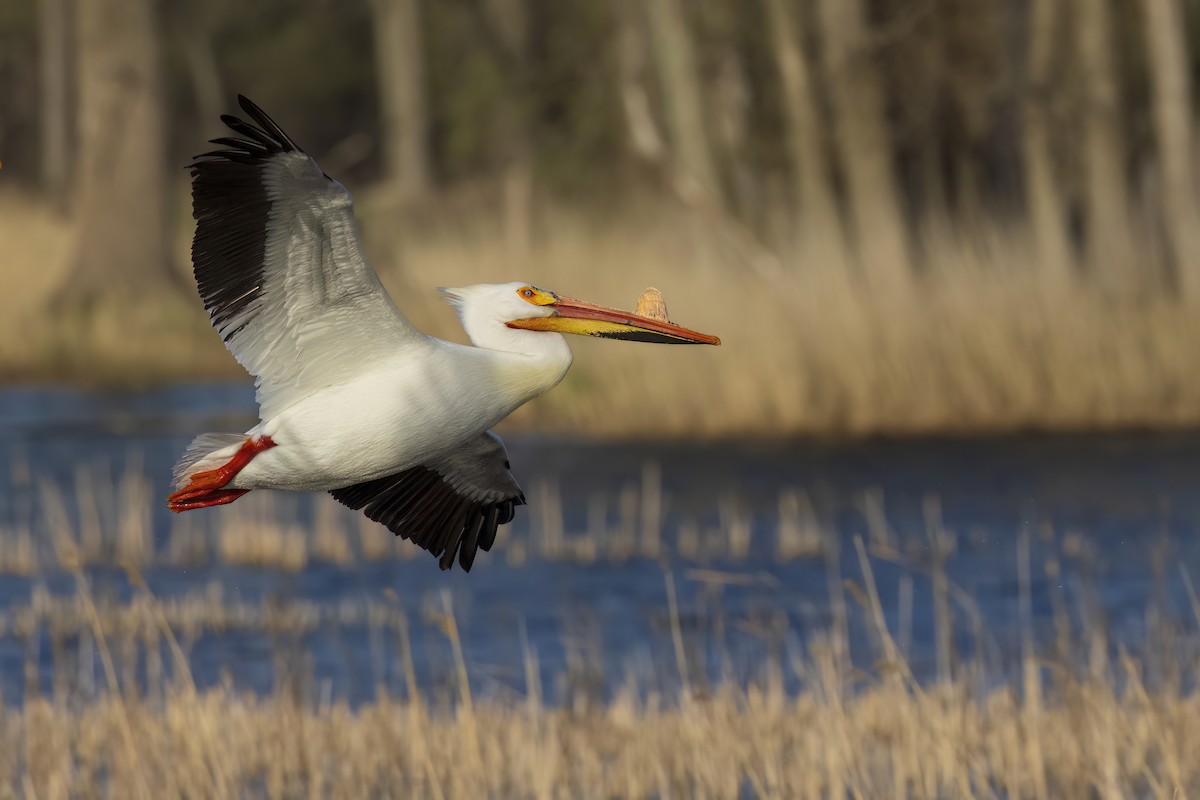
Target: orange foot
pixel 208 488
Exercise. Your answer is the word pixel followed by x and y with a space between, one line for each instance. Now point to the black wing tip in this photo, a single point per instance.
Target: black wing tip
pixel 266 123
pixel 262 138
pixel 462 540
pixel 465 552
pixel 431 521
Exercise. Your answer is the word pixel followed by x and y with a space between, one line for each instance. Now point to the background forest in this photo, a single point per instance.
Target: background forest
pixel 898 214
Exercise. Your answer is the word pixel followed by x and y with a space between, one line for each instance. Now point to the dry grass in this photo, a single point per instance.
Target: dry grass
pixel 982 339
pixel 1072 722
pixel 76 524
pixel 1064 731
pixel 884 742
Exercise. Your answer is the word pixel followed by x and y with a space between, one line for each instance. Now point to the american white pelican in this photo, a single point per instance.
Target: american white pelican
pixel 353 399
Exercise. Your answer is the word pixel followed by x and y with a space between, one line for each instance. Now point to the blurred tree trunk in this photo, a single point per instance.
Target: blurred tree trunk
pixel 645 139
pixel 864 148
pixel 729 111
pixel 1106 200
pixel 1044 205
pixel 819 221
pixel 193 29
pixel 924 113
pixel 971 43
pixel 680 85
pixel 400 72
pixel 120 198
pixel 509 25
pixel 1168 60
pixel 54 39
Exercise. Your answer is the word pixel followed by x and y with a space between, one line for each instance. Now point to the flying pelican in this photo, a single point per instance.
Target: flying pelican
pixel 352 398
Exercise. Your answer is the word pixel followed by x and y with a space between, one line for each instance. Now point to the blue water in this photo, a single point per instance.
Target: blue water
pixel 1133 500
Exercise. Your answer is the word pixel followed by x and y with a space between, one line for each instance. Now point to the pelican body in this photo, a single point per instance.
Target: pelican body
pixel 352 398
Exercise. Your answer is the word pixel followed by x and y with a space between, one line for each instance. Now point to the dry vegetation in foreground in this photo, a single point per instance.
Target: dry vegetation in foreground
pixel 79 524
pixel 885 741
pixel 984 339
pixel 1060 731
pixel 122 716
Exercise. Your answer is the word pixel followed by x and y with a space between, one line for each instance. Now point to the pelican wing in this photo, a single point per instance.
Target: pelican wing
pixel 451 505
pixel 280 266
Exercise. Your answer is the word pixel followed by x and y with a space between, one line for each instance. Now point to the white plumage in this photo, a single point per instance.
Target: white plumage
pixel 352 398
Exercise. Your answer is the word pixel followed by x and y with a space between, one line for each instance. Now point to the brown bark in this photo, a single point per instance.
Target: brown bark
pixel 680 83
pixel 1043 202
pixel 509 20
pixel 120 197
pixel 863 145
pixel 729 108
pixel 645 139
pixel 400 68
pixel 193 29
pixel 1106 193
pixel 54 48
pixel 812 183
pixel 1167 51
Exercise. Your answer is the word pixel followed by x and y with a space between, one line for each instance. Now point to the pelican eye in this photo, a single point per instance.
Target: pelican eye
pixel 536 296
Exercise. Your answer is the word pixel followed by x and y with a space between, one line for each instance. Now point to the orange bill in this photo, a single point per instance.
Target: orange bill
pixel 586 319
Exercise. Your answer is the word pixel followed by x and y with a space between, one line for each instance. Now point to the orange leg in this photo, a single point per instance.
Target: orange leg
pixel 210 497
pixel 207 488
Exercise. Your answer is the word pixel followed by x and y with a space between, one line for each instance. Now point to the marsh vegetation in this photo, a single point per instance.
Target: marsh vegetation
pixel 775 648
pixel 115 711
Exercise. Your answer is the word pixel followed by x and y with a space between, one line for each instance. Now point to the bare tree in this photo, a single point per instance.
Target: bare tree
pixel 400 72
pixel 645 139
pixel 671 42
pixel 864 147
pixel 120 187
pixel 969 41
pixel 503 27
pixel 1109 242
pixel 513 20
pixel 728 108
pixel 1044 204
pixel 193 29
pixel 1165 31
pixel 812 183
pixel 54 40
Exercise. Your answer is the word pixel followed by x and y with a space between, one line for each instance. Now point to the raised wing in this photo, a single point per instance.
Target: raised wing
pixel 280 267
pixel 449 506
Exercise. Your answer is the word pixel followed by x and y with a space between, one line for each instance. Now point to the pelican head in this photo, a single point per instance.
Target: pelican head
pixel 524 306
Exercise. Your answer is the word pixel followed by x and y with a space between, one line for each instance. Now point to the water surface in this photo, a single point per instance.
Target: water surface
pixel 1110 522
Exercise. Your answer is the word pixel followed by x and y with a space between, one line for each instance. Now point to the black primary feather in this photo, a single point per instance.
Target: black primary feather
pixel 420 505
pixel 232 210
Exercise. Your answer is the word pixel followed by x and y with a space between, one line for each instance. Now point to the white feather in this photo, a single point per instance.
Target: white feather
pixel 206 451
pixel 323 316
